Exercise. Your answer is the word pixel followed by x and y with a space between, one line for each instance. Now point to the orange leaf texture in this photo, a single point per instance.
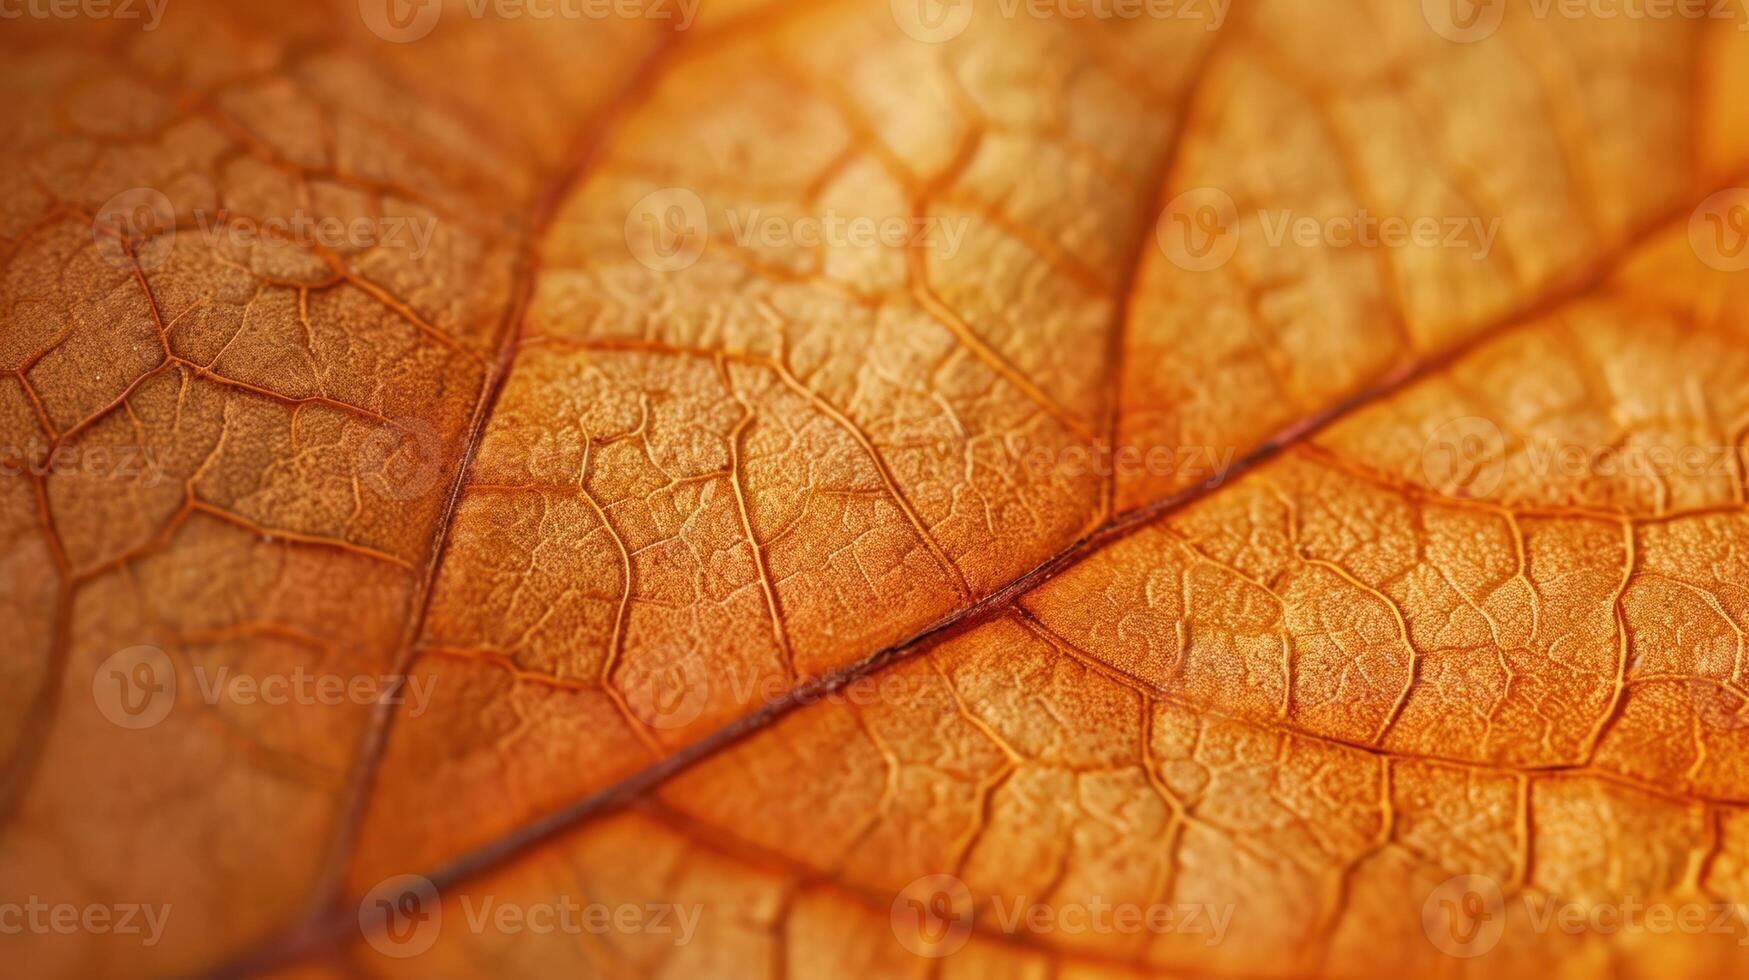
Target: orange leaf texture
pixel 876 488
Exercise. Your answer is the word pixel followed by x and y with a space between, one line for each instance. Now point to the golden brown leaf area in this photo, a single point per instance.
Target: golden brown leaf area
pixel 1032 596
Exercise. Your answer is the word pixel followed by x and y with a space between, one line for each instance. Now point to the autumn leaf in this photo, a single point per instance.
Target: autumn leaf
pixel 874 488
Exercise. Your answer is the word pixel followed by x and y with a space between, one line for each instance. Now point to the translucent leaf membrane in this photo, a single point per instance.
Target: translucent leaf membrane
pixel 883 492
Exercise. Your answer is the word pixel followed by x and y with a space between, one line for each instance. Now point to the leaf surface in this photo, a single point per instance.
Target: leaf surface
pixel 781 577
